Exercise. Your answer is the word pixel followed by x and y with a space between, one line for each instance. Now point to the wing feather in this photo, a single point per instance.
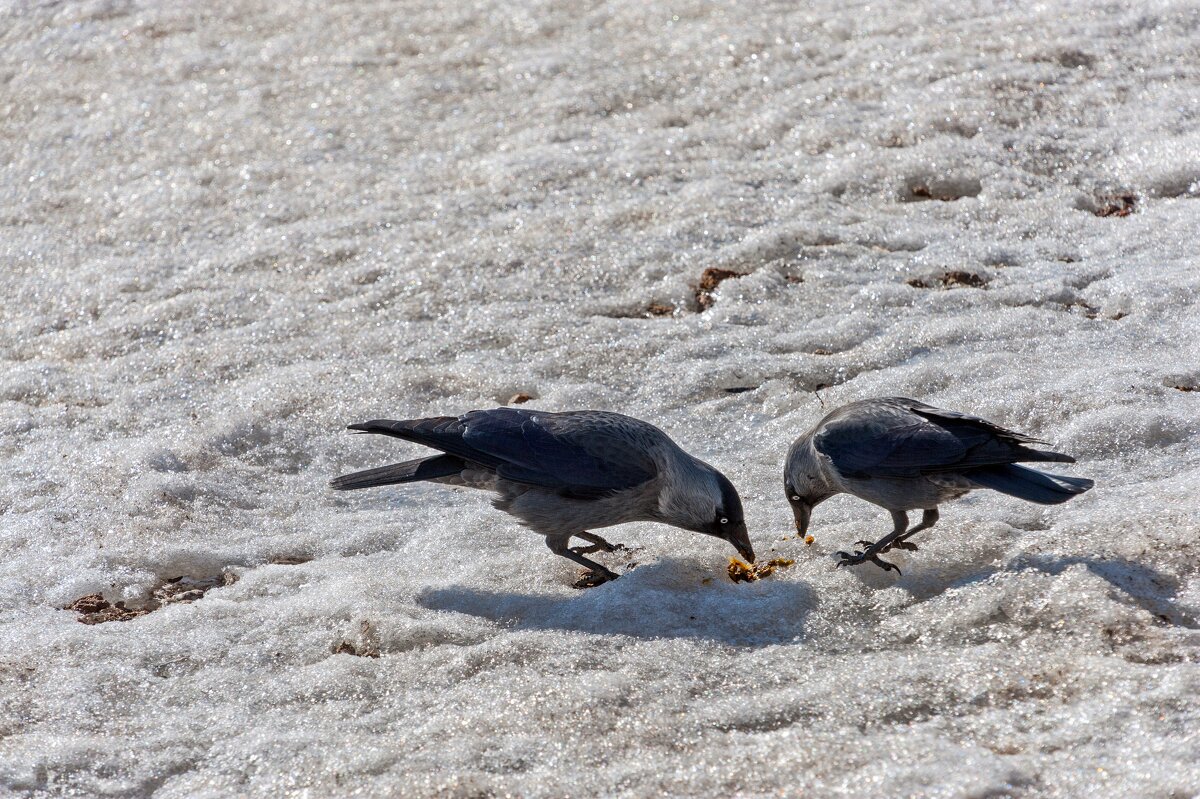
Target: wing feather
pixel 899 437
pixel 581 454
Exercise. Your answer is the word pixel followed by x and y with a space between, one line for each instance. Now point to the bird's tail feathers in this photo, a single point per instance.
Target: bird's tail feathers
pixel 408 429
pixel 1044 456
pixel 408 472
pixel 1030 484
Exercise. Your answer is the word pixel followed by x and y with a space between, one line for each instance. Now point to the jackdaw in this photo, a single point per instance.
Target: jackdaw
pixel 902 455
pixel 565 474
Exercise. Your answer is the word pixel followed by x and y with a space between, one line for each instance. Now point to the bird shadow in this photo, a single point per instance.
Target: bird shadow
pixel 1150 589
pixel 667 599
pixel 1141 585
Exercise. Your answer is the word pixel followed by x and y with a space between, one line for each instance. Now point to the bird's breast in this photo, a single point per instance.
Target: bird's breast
pixel 897 493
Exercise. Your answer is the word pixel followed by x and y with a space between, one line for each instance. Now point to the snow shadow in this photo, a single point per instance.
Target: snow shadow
pixel 1148 588
pixel 666 599
pixel 1141 585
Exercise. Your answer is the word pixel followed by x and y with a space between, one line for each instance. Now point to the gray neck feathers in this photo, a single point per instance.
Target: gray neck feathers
pixel 688 489
pixel 808 472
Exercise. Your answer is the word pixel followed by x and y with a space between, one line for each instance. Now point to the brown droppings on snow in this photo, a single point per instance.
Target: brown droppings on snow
pixel 709 281
pixel 660 309
pixel 92 603
pixel 95 609
pixel 917 189
pixel 366 644
pixel 953 279
pixel 589 579
pixel 1115 204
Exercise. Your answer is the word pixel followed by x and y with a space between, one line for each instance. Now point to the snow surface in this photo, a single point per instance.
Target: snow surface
pixel 229 229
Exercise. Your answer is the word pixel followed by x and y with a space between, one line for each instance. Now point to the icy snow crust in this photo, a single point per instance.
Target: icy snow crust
pixel 229 232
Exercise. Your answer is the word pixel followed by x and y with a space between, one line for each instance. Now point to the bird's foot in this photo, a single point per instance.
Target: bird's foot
pixel 862 557
pixel 590 578
pixel 905 545
pixel 603 546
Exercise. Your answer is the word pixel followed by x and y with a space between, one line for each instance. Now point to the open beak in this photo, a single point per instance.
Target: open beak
pixel 803 514
pixel 740 538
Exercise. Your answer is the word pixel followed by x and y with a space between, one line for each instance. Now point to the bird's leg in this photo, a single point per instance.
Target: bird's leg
pixel 928 519
pixel 598 544
pixel 599 574
pixel 899 525
pixel 871 553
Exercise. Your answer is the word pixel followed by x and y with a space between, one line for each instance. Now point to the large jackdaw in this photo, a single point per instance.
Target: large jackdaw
pixel 565 474
pixel 902 455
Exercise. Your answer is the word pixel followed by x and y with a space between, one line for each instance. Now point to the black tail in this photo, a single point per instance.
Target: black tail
pixel 1043 456
pixel 1030 484
pixel 407 472
pixel 410 429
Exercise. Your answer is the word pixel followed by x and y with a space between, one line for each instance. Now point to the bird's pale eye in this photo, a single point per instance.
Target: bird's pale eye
pixel 795 497
pixel 724 520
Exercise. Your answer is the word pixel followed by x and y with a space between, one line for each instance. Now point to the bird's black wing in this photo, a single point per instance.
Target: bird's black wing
pixel 580 455
pixel 904 438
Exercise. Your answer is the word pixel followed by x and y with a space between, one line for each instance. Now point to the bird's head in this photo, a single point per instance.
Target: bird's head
pixel 706 502
pixel 805 485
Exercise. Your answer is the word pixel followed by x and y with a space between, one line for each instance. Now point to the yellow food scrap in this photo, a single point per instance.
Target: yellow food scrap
pixel 808 539
pixel 742 572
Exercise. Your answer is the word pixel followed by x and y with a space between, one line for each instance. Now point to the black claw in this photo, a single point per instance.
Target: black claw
pixel 905 545
pixel 862 557
pixel 887 567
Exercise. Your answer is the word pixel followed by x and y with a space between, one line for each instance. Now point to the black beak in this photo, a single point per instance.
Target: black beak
pixel 740 538
pixel 803 513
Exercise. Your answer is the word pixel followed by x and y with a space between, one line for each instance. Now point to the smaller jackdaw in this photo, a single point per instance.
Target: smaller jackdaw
pixel 565 474
pixel 903 455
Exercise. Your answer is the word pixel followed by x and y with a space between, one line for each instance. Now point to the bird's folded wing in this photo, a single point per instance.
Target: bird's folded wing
pixel 955 420
pixel 549 450
pixel 912 441
pixel 558 451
